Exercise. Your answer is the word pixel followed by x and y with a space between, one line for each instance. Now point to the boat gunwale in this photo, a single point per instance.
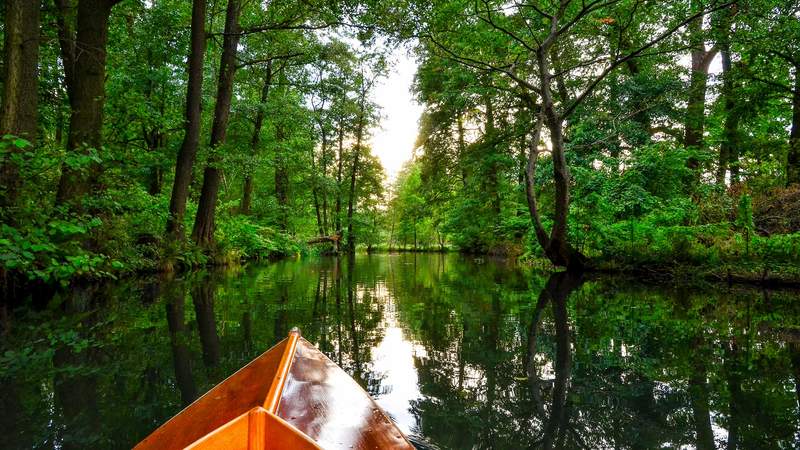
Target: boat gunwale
pixel 273 400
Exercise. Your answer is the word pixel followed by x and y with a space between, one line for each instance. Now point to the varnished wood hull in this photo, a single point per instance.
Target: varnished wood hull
pixel 291 397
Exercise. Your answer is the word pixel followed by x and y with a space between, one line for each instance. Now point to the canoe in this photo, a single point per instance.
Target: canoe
pixel 290 397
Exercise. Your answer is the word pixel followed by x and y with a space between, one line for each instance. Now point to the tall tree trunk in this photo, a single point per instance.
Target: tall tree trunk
pixel 339 162
pixel 793 158
pixel 87 97
pixel 156 141
pixel 729 148
pixel 2 50
pixel 155 138
pixel 247 191
pixel 694 126
pixel 558 250
pixel 319 208
pixel 18 113
pixel 281 178
pixel 315 193
pixel 247 195
pixel 462 149
pixel 66 41
pixel 351 236
pixel 193 117
pixel 415 233
pixel 324 190
pixel 203 232
pixel 490 180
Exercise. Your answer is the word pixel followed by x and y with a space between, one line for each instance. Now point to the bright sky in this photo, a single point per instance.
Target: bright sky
pixel 393 143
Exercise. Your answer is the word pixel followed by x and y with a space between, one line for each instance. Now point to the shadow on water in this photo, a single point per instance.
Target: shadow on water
pixel 461 353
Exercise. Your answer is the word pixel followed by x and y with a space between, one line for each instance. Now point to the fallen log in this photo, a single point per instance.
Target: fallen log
pixel 321 239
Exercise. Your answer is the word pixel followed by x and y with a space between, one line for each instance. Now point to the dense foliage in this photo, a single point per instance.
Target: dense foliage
pixel 651 133
pixel 141 135
pixel 258 146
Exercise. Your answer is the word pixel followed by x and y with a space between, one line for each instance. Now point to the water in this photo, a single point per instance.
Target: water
pixel 462 353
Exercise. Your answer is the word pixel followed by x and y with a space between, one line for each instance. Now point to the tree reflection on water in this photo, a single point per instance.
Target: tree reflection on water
pixel 463 354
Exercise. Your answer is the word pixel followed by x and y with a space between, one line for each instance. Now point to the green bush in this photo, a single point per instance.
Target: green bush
pixel 245 239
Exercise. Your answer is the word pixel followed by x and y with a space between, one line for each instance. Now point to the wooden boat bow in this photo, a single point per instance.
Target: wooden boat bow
pixel 290 397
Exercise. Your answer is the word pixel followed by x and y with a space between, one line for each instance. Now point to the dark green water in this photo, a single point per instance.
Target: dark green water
pixel 461 353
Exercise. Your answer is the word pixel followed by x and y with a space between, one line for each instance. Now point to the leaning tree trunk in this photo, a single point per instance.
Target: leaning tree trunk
pixel 18 113
pixel 556 245
pixel 87 97
pixel 247 191
pixel 203 232
pixel 193 117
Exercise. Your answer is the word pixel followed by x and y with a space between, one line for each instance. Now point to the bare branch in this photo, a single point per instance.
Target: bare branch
pixel 267 60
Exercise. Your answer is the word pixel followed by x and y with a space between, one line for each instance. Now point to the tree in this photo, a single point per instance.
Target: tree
pixel 537 58
pixel 247 190
pixel 192 123
pixel 698 79
pixel 203 231
pixel 770 32
pixel 364 117
pixel 18 112
pixel 83 54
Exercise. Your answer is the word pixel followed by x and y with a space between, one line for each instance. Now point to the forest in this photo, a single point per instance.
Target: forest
pixel 659 138
pixel 593 243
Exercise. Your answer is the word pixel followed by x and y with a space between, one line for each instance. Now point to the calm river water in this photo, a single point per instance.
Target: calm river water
pixel 462 353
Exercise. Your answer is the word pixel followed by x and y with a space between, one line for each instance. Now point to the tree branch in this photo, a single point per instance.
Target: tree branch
pixel 636 53
pixel 482 65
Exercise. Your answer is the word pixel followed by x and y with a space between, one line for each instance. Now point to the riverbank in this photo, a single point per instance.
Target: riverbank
pixel 58 254
pixel 744 273
pixel 73 249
